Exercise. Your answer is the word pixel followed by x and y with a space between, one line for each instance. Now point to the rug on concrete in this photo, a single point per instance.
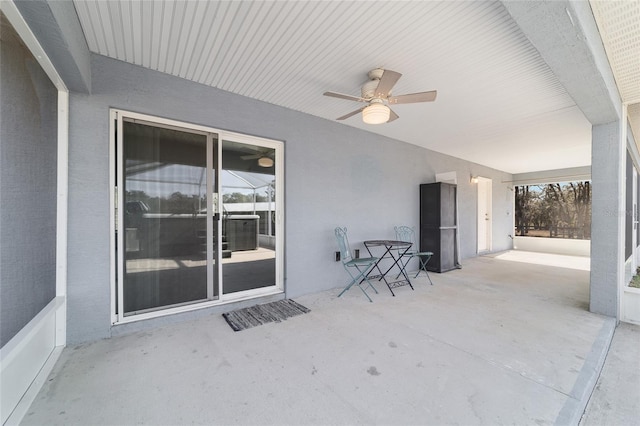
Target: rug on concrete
pixel 252 316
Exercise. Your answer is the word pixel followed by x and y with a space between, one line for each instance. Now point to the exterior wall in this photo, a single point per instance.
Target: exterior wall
pixel 28 131
pixel 553 245
pixel 336 175
pixel 57 28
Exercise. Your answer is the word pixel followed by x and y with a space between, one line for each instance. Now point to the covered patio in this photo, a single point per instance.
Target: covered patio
pixel 500 341
pixel 527 92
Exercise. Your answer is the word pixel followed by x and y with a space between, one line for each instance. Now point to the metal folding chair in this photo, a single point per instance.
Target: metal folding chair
pixel 406 233
pixel 357 268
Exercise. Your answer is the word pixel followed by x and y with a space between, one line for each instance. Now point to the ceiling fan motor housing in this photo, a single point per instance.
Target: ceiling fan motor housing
pixel 368 89
pixel 376 74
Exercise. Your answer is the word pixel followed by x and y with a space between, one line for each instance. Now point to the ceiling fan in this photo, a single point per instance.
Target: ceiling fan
pixel 377 94
pixel 264 158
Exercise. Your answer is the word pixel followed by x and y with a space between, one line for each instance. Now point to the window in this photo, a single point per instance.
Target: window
pixel 555 210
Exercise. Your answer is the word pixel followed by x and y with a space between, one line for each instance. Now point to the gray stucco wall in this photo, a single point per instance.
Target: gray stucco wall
pixel 335 175
pixel 56 26
pixel 606 227
pixel 28 148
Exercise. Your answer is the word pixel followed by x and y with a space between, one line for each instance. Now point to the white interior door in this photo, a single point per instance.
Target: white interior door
pixel 484 214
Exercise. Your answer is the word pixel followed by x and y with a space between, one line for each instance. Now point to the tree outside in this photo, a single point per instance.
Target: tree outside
pixel 556 210
pixel 238 197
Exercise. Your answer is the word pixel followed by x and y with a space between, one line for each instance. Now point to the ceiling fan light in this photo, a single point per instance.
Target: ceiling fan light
pixel 265 162
pixel 376 113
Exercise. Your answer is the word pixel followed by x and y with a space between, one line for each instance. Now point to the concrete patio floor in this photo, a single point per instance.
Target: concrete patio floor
pixel 616 398
pixel 496 342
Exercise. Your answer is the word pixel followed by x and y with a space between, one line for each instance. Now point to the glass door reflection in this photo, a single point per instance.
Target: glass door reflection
pixel 167 188
pixel 249 216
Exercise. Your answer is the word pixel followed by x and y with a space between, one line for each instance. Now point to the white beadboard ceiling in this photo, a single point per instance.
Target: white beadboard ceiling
pixel 619 26
pixel 498 102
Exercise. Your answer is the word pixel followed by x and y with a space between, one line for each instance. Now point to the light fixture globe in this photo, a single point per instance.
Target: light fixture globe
pixel 376 113
pixel 265 162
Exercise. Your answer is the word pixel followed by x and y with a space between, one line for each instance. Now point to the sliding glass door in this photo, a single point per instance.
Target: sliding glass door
pixel 197 216
pixel 165 199
pixel 248 184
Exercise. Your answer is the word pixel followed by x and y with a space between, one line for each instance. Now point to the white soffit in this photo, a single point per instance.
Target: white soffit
pixel 619 26
pixel 498 102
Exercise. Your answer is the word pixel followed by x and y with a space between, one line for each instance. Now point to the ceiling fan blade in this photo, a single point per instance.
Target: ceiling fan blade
pixel 392 116
pixel 342 96
pixel 388 80
pixel 352 113
pixel 414 97
pixel 259 154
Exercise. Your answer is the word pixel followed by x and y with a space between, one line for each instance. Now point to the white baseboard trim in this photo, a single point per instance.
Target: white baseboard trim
pixel 24 360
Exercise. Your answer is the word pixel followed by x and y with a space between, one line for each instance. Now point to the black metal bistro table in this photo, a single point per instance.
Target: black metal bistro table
pixel 388 247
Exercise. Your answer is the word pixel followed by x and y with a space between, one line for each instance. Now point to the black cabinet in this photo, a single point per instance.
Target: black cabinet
pixel 241 232
pixel 438 225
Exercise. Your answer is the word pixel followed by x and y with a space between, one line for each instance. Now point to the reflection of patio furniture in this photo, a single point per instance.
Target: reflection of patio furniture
pixel 164 234
pixel 241 232
pixel 131 240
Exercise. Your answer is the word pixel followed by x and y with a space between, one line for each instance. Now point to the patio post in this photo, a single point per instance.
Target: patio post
pixel 608 215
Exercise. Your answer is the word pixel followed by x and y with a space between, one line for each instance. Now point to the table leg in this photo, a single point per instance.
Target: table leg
pixel 403 267
pixel 398 262
pixel 381 275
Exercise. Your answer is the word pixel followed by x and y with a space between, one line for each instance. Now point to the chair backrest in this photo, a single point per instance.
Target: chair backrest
pixel 406 233
pixel 343 244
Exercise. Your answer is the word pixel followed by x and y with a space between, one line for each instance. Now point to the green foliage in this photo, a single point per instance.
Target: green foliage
pixel 635 281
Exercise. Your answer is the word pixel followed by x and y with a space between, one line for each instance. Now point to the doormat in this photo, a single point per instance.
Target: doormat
pixel 244 318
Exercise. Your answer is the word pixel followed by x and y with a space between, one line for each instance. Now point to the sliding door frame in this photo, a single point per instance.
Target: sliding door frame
pixel 117 117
